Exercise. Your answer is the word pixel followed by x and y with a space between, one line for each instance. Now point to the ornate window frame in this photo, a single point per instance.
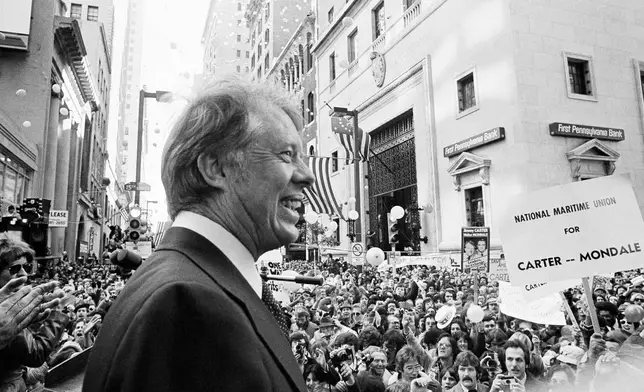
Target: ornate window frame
pixel 582 157
pixel 477 171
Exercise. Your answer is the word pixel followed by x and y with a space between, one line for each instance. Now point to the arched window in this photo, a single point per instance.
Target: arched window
pixel 309 55
pixel 311 106
pixel 283 78
pixel 293 74
pixel 301 53
pixel 289 80
pixel 298 70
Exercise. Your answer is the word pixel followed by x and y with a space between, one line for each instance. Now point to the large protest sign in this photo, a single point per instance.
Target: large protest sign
pixel 475 245
pixel 533 291
pixel 545 310
pixel 571 231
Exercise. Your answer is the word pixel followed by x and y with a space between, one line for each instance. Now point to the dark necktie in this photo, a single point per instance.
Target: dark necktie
pixel 276 310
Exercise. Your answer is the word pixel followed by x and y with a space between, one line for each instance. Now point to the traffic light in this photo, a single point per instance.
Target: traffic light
pixel 392 231
pixel 136 229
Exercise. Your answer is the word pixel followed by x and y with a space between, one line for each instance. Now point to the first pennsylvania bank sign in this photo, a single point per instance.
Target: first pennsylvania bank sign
pixel 586 131
pixel 491 136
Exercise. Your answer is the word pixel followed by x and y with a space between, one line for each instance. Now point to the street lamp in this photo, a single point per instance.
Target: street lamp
pixel 160 96
pixel 352 217
pixel 343 112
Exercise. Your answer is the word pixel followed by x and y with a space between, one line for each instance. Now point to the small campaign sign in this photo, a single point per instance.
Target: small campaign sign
pixel 58 218
pixel 475 245
pixel 572 231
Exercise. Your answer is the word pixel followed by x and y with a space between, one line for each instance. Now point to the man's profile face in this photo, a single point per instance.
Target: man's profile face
pixel 269 188
pixel 515 362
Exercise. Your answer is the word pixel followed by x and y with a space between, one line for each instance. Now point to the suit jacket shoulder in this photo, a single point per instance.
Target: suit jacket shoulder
pixel 177 327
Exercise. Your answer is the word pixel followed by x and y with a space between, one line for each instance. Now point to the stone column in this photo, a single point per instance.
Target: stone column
pixel 62 183
pixel 51 148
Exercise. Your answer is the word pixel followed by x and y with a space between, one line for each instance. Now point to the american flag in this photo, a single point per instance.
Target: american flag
pixel 125 214
pixel 320 194
pixel 342 127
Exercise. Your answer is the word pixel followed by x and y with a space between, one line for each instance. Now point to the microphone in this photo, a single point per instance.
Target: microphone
pixel 300 279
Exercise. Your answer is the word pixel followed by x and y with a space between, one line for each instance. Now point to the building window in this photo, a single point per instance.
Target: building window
pixel 247 54
pixel 309 52
pixel 642 82
pixel 337 230
pixel 301 103
pixel 238 68
pixel 474 207
pixel 267 35
pixel 334 161
pixel 579 76
pixel 76 11
pixel 238 53
pixel 311 106
pixel 408 4
pixel 259 73
pixel 268 11
pixel 14 179
pixel 92 13
pixel 267 61
pixel 330 15
pixel 378 16
pixel 126 131
pixel 238 22
pixel 351 46
pixel 238 38
pixel 252 62
pixel 239 6
pixel 332 67
pixel 466 90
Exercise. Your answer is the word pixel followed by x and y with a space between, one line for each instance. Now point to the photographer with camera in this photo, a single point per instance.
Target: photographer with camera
pixel 343 361
pixel 517 360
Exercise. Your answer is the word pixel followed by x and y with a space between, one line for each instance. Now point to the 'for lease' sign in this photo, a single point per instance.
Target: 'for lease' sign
pixel 570 231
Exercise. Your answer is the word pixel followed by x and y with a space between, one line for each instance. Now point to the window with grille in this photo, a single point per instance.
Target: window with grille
pixel 579 76
pixel 474 207
pixel 92 13
pixel 311 106
pixel 332 67
pixel 330 15
pixel 334 161
pixel 76 11
pixel 378 15
pixel 466 93
pixel 351 46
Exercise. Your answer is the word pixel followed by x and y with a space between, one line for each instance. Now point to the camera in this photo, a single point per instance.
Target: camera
pixel 489 362
pixel 300 349
pixel 341 355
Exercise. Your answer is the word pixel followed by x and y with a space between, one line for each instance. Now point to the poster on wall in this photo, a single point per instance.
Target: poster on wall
pixel 498 269
pixel 475 250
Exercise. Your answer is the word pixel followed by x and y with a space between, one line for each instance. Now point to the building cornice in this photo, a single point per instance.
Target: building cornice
pixel 108 54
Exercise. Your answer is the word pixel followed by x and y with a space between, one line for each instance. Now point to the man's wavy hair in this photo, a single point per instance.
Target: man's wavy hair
pixel 12 250
pixel 217 123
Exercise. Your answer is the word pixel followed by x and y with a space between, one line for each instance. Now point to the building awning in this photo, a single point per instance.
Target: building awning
pixel 68 34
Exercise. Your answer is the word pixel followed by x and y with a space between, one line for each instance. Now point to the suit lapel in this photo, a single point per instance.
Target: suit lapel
pixel 213 262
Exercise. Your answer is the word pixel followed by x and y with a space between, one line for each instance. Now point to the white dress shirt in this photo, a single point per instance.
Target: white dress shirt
pixel 226 242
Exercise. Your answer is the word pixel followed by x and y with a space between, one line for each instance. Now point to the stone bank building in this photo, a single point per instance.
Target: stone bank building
pixel 469 103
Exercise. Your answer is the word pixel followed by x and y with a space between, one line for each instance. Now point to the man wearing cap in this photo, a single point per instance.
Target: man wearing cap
pixel 571 355
pixel 345 315
pixel 493 306
pixel 330 329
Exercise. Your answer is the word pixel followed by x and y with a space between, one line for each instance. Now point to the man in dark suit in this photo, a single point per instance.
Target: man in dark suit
pixel 192 316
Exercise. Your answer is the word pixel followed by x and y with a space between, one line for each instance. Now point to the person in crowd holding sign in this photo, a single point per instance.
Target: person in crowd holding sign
pixel 196 315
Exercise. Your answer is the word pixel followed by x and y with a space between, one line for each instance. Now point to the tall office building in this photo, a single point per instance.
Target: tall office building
pixel 271 24
pixel 225 39
pixel 130 85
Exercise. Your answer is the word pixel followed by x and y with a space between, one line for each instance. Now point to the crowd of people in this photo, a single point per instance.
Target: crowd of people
pixel 49 313
pixel 372 330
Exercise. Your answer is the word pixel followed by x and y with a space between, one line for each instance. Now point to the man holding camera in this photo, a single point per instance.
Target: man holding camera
pixel 517 360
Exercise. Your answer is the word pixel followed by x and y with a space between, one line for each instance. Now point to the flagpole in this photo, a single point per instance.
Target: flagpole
pixel 356 171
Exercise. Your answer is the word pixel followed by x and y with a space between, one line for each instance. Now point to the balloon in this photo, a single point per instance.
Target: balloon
pixel 347 21
pixel 397 212
pixel 55 88
pixel 26 124
pixel 290 286
pixel 351 200
pixel 475 314
pixel 634 313
pixel 311 217
pixel 333 226
pixel 21 92
pixel 375 256
pixel 63 111
pixel 353 215
pixel 344 64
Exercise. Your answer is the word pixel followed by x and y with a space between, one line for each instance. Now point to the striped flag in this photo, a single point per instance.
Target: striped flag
pixel 342 127
pixel 125 214
pixel 320 194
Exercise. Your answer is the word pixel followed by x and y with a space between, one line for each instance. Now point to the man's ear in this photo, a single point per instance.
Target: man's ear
pixel 212 171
